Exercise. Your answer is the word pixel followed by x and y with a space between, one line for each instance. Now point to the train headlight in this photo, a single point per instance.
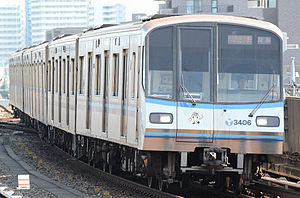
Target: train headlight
pixel 161 118
pixel 267 121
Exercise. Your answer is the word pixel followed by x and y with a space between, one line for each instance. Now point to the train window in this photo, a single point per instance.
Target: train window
pixel 49 75
pixel 52 74
pixel 249 65
pixel 105 92
pixel 37 74
pixel 115 75
pixel 125 70
pixel 80 75
pixel 64 76
pixel 72 75
pixel 60 76
pixel 60 89
pixel 195 48
pixel 56 76
pixel 68 76
pixel 143 68
pixel 97 74
pixel 160 59
pixel 105 80
pixel 44 77
pixel 133 66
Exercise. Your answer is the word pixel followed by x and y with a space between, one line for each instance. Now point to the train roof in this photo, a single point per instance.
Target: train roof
pixel 234 20
pixel 111 29
pixel 158 21
pixel 40 46
pixel 64 39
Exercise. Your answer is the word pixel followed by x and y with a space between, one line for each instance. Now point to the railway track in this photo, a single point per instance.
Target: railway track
pixel 260 188
pixel 123 183
pixel 140 188
pixel 257 188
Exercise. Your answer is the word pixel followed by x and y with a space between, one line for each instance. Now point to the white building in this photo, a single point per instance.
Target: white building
pixel 12 29
pixel 50 14
pixel 106 12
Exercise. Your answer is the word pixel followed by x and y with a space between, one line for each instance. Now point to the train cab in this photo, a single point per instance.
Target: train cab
pixel 213 89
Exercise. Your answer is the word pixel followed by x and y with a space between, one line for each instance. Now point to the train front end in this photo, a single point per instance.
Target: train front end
pixel 214 92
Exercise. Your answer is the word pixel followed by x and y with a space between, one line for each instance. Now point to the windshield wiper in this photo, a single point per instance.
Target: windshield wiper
pixel 262 101
pixel 188 93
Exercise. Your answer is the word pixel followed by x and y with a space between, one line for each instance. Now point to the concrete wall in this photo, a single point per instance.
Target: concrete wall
pixel 292 125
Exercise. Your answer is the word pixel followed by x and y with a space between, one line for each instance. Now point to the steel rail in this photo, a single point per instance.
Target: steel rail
pixel 263 187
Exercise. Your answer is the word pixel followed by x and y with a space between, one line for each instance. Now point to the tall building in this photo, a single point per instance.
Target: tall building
pixel 258 8
pixel 28 32
pixel 12 29
pixel 284 14
pixel 50 14
pixel 106 12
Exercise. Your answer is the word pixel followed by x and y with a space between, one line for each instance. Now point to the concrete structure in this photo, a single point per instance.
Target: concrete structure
pixel 263 9
pixel 138 16
pixel 53 33
pixel 285 14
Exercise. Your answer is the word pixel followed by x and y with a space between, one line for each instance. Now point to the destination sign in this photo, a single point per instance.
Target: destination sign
pixel 264 40
pixel 240 40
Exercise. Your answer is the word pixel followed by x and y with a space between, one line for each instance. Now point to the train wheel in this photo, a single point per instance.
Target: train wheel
pixel 186 180
pixel 220 181
pixel 104 166
pixel 149 181
pixel 237 183
pixel 110 169
pixel 160 184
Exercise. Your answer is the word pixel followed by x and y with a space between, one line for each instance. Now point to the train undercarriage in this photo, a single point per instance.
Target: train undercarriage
pixel 216 167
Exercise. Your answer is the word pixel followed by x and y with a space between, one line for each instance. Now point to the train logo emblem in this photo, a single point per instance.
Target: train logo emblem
pixel 195 118
pixel 228 122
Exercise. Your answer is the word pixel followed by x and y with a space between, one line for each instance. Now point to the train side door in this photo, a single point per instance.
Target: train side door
pixel 194 106
pixel 68 92
pixel 89 92
pixel 105 93
pixel 124 95
pixel 54 68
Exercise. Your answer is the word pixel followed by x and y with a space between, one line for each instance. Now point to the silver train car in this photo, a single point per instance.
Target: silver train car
pixel 171 99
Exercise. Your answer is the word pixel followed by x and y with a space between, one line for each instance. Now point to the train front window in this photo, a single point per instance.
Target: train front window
pixel 160 57
pixel 195 54
pixel 248 65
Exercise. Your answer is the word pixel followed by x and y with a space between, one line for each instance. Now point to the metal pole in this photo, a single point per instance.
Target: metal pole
pixel 293 77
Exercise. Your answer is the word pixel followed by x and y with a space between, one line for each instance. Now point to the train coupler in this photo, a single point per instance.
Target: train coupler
pixel 215 156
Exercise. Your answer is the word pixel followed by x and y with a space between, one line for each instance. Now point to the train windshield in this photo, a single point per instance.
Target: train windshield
pixel 248 65
pixel 160 77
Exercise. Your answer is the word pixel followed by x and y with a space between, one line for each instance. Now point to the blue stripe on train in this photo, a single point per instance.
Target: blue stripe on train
pixel 210 106
pixel 245 139
pixel 213 135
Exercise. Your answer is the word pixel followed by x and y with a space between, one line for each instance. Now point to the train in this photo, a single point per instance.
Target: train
pixel 171 99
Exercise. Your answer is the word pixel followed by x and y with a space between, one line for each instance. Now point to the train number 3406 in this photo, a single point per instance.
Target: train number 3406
pixel 242 122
